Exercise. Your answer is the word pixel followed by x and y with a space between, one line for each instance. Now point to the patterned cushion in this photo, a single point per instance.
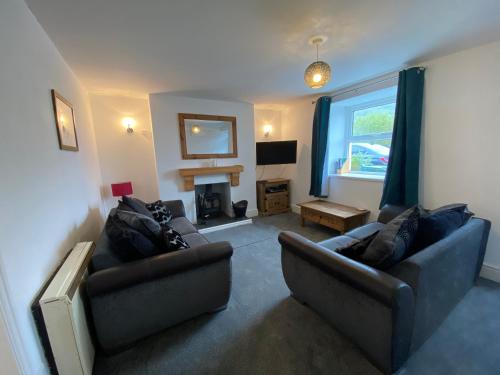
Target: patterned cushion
pixel 393 243
pixel 160 212
pixel 173 239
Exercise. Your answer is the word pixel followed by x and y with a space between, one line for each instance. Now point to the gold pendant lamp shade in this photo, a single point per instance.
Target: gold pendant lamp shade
pixel 318 73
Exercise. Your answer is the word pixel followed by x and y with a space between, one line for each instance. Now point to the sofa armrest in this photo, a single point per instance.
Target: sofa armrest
pixel 176 207
pixel 377 284
pixel 373 309
pixel 442 274
pixel 140 271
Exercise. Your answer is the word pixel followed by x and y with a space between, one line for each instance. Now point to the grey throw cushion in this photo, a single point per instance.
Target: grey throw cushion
pixel 356 249
pixel 137 205
pixel 127 243
pixel 393 242
pixel 122 206
pixel 142 223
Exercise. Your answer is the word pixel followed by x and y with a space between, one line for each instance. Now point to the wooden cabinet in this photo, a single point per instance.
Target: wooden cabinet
pixel 273 196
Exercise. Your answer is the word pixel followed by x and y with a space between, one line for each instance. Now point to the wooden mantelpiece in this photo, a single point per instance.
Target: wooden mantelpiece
pixel 232 170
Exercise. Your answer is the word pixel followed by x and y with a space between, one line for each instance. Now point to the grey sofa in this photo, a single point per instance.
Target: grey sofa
pixel 130 301
pixel 388 315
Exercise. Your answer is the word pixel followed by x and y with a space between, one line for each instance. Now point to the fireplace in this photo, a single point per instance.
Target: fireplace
pixel 209 203
pixel 212 201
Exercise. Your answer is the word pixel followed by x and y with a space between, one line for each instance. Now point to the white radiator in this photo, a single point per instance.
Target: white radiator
pixel 64 314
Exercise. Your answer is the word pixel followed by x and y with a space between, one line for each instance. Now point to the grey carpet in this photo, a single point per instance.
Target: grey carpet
pixel 265 331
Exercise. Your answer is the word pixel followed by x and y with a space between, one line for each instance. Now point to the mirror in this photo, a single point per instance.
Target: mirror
pixel 207 136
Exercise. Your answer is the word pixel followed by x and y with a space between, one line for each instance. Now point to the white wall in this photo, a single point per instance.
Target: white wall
pixel 124 156
pixel 461 128
pixel 49 198
pixel 164 110
pixel 461 131
pixel 262 117
pixel 7 358
pixel 297 125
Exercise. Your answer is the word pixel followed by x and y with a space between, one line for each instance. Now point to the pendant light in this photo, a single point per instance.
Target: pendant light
pixel 318 73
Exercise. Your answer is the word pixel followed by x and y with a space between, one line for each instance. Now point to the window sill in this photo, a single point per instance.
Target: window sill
pixel 359 176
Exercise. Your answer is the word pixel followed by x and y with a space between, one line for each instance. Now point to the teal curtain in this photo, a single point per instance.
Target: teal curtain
pixel 401 180
pixel 319 147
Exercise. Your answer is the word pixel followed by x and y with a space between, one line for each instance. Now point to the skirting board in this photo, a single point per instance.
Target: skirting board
pixel 490 273
pixel 226 226
pixel 252 212
pixel 295 208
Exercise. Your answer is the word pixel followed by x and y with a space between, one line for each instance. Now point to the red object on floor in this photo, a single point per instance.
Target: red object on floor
pixel 121 189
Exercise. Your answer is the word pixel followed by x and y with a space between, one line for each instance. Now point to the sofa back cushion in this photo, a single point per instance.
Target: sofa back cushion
pixel 103 256
pixel 137 205
pixel 437 224
pixel 128 243
pixel 393 242
pixel 142 223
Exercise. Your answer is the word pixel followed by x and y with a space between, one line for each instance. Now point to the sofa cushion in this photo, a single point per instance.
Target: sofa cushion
pixel 122 206
pixel 137 205
pixel 393 242
pixel 437 224
pixel 160 212
pixel 337 242
pixel 195 239
pixel 389 212
pixel 173 239
pixel 357 248
pixel 128 243
pixel 365 231
pixel 142 223
pixel 103 256
pixel 182 225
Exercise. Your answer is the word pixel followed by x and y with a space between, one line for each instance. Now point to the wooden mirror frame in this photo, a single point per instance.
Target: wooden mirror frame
pixel 182 131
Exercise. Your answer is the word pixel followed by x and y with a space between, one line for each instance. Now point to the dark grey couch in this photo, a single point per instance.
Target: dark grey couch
pixel 387 314
pixel 133 300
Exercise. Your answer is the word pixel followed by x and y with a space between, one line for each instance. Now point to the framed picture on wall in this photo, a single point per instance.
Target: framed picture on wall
pixel 65 122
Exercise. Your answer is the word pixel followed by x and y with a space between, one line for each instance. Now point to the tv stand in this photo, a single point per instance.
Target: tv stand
pixel 273 196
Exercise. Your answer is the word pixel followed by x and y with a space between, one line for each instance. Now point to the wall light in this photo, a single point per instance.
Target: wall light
pixel 268 128
pixel 128 123
pixel 195 129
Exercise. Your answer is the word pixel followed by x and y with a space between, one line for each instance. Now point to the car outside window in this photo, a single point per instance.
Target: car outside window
pixel 368 137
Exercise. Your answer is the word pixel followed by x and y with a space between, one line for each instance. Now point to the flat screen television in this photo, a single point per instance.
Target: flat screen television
pixel 279 152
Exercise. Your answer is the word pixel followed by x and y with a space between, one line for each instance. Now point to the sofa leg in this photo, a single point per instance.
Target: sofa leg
pixel 220 308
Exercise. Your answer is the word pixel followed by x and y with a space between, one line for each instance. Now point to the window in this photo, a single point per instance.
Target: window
pixel 368 140
pixel 361 133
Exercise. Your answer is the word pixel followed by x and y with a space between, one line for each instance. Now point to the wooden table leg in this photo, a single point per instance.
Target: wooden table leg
pixel 302 221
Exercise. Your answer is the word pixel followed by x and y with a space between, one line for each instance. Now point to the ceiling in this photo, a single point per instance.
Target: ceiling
pixel 253 50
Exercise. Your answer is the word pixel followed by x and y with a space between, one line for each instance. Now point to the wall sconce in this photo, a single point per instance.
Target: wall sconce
pixel 128 123
pixel 195 129
pixel 268 128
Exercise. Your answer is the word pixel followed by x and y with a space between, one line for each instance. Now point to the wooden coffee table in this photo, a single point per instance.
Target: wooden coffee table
pixel 333 215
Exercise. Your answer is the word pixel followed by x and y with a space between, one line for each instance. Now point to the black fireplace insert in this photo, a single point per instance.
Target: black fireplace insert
pixel 209 203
